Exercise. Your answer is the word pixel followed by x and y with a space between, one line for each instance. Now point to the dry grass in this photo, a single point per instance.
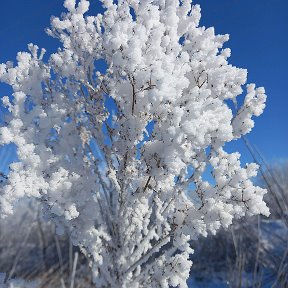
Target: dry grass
pixel 30 250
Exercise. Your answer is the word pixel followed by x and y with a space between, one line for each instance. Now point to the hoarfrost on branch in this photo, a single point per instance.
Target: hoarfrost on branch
pixel 118 156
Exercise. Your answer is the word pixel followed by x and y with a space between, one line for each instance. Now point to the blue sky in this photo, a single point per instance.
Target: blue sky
pixel 258 39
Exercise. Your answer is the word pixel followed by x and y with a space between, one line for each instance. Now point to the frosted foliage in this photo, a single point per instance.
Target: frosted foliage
pixel 118 154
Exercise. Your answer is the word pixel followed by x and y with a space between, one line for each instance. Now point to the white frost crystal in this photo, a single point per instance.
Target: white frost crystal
pixel 118 156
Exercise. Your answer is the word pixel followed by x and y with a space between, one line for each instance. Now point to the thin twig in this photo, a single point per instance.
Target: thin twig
pixel 19 253
pixel 74 270
pixel 147 183
pixel 58 248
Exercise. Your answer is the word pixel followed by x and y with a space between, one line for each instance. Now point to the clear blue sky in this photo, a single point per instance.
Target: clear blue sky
pixel 258 38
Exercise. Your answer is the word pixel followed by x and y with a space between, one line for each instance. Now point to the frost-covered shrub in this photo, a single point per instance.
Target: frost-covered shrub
pixel 117 132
